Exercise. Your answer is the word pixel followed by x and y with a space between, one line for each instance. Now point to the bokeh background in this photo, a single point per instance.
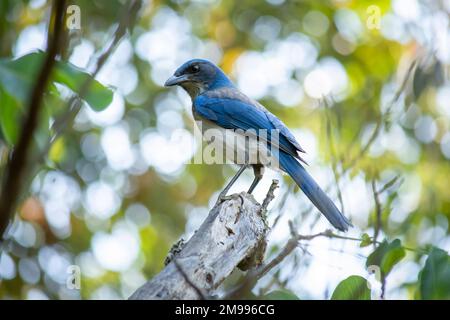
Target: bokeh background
pixel 367 96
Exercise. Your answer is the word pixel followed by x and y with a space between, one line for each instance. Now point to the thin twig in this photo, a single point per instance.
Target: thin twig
pixel 389 184
pixel 270 195
pixel 281 205
pixel 75 104
pixel 378 222
pixel 253 276
pixel 378 207
pixel 381 120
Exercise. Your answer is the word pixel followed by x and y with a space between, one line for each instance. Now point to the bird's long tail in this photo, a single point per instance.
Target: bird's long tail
pixel 313 191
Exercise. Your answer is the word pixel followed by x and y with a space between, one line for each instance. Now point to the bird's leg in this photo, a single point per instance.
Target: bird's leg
pixel 223 193
pixel 258 171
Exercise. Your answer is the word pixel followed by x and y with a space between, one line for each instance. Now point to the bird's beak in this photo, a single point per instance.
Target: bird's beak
pixel 175 80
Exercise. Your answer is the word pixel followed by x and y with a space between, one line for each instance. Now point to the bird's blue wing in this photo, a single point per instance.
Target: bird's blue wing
pixel 284 131
pixel 235 114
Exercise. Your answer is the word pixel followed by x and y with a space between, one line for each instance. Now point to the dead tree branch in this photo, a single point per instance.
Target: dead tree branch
pixel 233 235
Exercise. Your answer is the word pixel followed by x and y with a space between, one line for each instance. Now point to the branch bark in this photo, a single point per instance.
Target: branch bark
pixel 233 235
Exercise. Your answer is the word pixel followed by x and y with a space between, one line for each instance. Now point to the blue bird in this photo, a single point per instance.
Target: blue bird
pixel 218 104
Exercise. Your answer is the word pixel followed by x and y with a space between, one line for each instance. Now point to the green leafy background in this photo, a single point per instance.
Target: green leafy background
pixel 115 190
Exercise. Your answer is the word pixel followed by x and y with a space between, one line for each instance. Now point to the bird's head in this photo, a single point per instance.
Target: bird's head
pixel 198 75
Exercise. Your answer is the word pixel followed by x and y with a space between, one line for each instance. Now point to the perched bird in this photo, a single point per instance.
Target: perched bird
pixel 218 104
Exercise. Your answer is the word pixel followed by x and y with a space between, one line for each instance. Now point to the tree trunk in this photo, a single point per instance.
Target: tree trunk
pixel 233 235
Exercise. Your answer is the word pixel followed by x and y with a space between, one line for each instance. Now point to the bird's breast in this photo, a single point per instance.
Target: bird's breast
pixel 232 146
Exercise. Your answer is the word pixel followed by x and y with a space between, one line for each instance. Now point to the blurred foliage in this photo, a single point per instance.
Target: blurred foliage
pixel 352 288
pixel 115 191
pixel 280 295
pixel 435 276
pixel 16 77
pixel 386 256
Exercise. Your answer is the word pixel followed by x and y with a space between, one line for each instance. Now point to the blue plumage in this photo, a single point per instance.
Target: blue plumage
pixel 217 101
pixel 313 191
pixel 230 109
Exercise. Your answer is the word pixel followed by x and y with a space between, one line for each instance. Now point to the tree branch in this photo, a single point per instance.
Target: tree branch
pixel 65 120
pixel 15 168
pixel 233 235
pixel 199 291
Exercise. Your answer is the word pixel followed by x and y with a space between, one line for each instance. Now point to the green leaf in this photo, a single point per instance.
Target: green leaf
pixel 435 276
pixel 97 96
pixel 352 288
pixel 17 78
pixel 392 257
pixel 42 134
pixel 282 294
pixel 10 113
pixel 386 256
pixel 365 240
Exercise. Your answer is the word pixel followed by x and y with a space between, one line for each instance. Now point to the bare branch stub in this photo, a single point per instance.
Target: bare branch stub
pixel 270 194
pixel 233 235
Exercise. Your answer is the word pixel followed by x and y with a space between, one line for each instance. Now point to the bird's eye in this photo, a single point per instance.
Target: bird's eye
pixel 194 69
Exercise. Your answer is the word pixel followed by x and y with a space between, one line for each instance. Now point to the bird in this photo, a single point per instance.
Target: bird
pixel 218 104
